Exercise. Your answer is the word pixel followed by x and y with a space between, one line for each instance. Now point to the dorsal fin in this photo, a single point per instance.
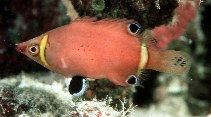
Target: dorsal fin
pixel 86 18
pixel 108 21
pixel 131 26
pixel 116 25
pixel 169 61
pixel 111 21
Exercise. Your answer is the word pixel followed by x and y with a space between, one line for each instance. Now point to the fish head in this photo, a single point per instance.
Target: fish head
pixel 35 49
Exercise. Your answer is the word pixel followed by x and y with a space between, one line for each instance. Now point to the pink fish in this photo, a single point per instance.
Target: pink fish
pixel 108 48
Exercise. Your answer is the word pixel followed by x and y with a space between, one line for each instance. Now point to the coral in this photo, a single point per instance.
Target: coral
pixel 71 12
pixel 100 108
pixel 21 20
pixel 23 95
pixel 165 34
pixel 194 40
pixel 100 89
pixel 199 91
pixel 98 5
pixel 19 96
pixel 144 11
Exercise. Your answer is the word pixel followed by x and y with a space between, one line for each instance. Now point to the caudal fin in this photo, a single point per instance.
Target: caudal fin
pixel 169 61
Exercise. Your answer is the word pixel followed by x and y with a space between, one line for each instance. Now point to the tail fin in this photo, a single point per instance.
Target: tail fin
pixel 169 61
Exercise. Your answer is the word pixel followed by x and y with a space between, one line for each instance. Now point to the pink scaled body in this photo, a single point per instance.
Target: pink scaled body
pixel 108 48
pixel 96 50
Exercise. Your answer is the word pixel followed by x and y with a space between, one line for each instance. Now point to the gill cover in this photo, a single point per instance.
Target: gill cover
pixel 43 44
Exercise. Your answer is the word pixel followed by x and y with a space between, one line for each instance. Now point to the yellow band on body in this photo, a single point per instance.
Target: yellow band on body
pixel 43 44
pixel 143 57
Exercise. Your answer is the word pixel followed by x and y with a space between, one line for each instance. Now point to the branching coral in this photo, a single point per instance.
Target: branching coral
pixel 70 9
pixel 184 14
pixel 98 5
pixel 144 11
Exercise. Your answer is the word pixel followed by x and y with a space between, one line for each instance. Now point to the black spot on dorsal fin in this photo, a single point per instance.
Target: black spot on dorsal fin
pixel 86 18
pixel 134 28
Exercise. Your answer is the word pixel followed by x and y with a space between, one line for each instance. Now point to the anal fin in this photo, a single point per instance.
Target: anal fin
pixel 76 85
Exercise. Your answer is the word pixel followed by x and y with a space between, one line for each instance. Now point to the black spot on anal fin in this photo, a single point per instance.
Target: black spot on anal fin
pixel 133 80
pixel 77 85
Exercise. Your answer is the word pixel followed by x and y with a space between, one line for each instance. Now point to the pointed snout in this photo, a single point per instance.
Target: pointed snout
pixel 21 47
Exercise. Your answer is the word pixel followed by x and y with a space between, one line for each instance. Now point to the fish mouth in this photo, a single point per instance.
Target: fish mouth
pixel 21 47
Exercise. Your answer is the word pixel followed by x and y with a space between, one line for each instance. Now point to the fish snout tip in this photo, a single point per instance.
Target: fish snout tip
pixel 21 47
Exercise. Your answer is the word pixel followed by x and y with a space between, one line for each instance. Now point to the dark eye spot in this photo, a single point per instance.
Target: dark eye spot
pixel 134 28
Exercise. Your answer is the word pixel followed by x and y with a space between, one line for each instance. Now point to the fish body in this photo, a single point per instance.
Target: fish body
pixel 101 49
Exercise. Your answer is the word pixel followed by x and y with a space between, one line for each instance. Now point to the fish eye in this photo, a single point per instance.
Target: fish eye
pixel 134 28
pixel 34 49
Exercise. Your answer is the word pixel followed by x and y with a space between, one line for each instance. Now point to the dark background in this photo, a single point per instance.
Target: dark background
pixel 21 20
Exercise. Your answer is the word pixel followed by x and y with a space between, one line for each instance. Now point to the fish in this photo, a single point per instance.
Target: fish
pixel 115 49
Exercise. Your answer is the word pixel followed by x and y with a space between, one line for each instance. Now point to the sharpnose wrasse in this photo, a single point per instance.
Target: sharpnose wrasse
pixel 115 49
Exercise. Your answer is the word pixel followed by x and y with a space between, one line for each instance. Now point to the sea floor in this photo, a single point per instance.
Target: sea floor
pixel 44 94
pixel 172 106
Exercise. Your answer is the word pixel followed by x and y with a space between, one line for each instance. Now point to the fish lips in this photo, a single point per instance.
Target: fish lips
pixel 21 47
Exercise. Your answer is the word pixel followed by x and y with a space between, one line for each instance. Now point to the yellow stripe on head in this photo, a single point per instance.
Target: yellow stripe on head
pixel 43 44
pixel 143 57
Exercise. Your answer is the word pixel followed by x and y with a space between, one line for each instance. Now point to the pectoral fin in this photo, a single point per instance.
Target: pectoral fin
pixel 147 38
